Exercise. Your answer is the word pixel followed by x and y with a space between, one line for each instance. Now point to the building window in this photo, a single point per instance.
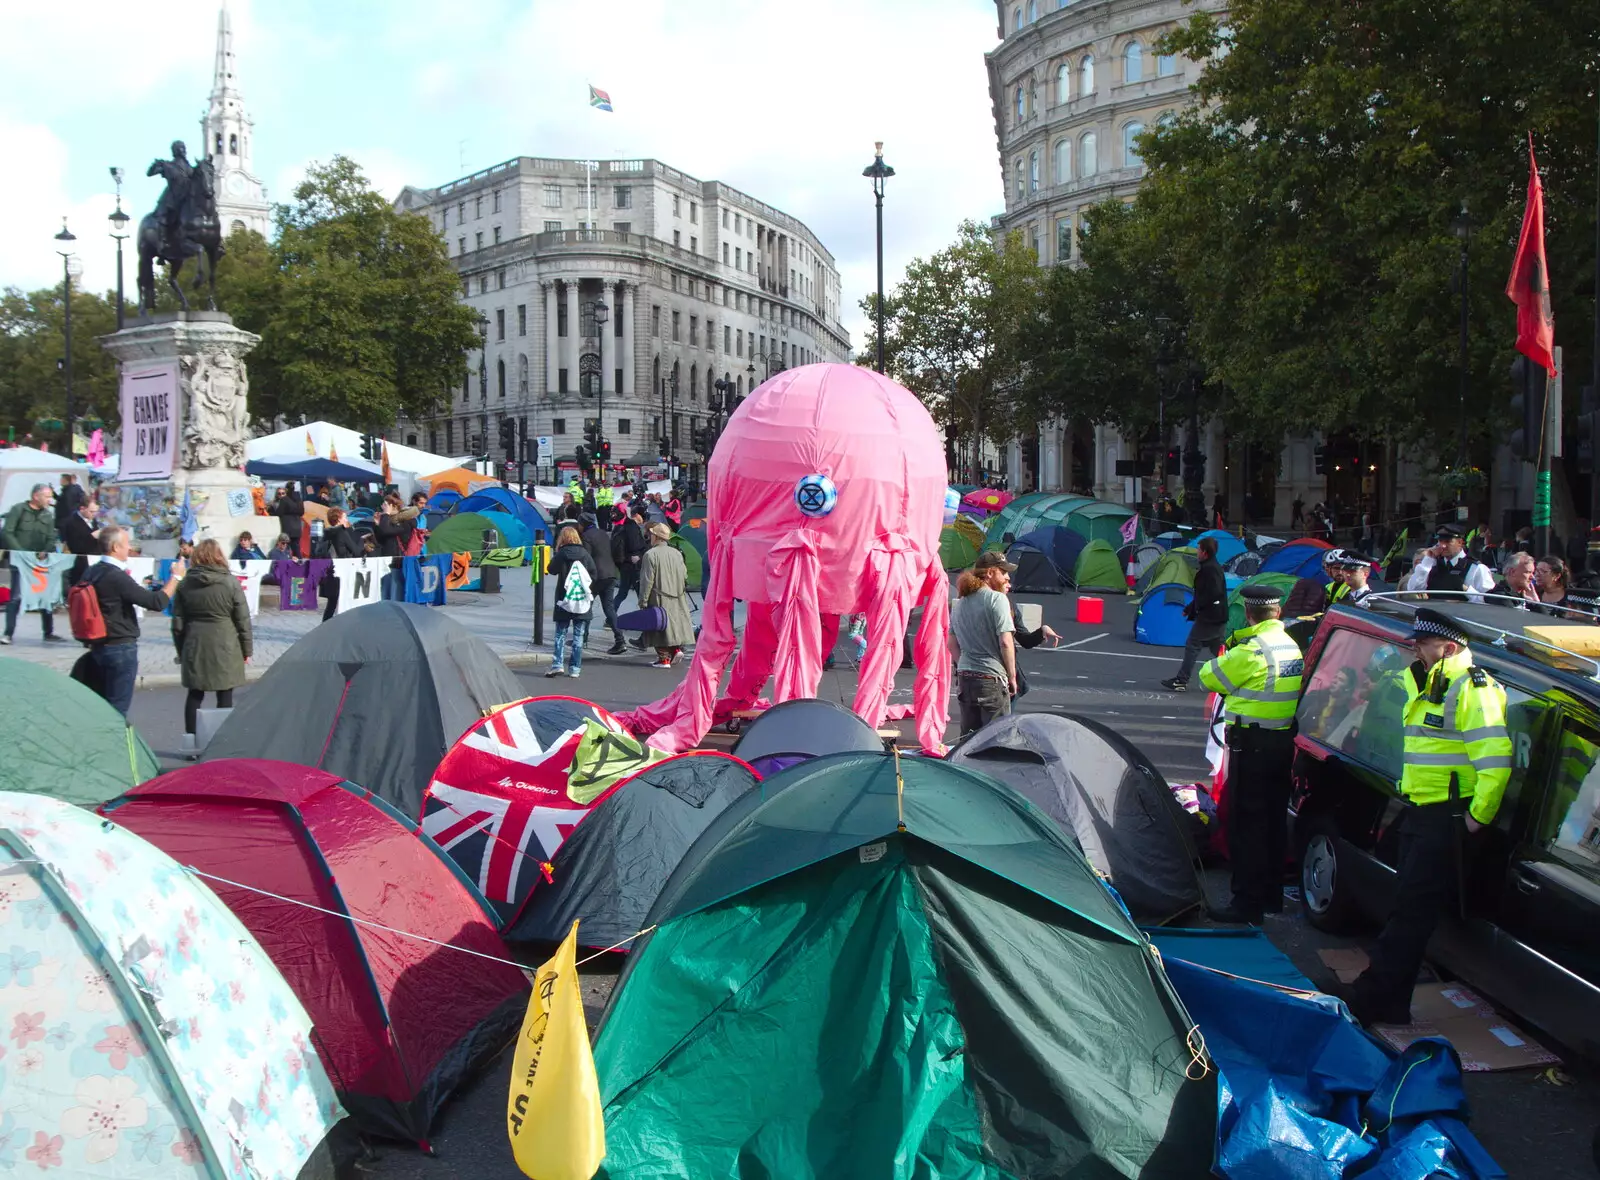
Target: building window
pixel 496 200
pixel 1016 19
pixel 1063 161
pixel 461 212
pixel 477 206
pixel 461 245
pixel 552 196
pixel 1033 232
pixel 449 436
pixel 561 381
pixel 1167 121
pixel 725 253
pixel 677 208
pixel 622 227
pixel 677 239
pixel 477 240
pixel 1086 77
pixel 522 375
pixel 738 258
pixel 1133 62
pixel 624 425
pixel 1130 145
pixel 497 235
pixel 677 322
pixel 561 315
pixel 466 387
pixel 500 279
pixel 1022 180
pixel 1088 160
pixel 655 319
pixel 1033 11
pixel 694 245
pixel 694 331
pixel 499 323
pixel 233 145
pixel 1033 171
pixel 483 284
pixel 738 343
pixel 1022 102
pixel 552 227
pixel 558 425
pixel 1063 83
pixel 1166 65
pixel 694 213
pixel 622 196
pixel 522 319
pixel 727 338
pixel 218 152
pixel 500 372
pixel 1063 239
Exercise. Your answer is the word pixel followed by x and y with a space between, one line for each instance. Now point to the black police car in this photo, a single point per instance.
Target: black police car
pixel 1529 936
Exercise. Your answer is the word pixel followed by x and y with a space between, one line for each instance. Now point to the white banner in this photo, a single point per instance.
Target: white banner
pixel 149 422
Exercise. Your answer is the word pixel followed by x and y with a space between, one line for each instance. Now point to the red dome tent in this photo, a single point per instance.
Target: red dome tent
pixel 399 1022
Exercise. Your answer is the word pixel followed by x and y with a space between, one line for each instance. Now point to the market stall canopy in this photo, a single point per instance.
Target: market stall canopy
pixel 316 470
pixel 330 441
pixel 22 467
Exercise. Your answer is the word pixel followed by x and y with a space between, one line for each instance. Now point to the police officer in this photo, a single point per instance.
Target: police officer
pixel 1334 564
pixel 604 498
pixel 1354 571
pixel 1448 567
pixel 1456 762
pixel 1259 677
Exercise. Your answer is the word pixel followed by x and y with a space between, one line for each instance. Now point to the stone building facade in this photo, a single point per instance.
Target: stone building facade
pixel 700 282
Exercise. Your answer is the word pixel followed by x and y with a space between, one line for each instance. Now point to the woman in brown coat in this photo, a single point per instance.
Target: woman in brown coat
pixel 211 629
pixel 664 582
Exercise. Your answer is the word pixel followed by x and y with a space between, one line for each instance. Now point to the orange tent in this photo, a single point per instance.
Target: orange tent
pixel 458 479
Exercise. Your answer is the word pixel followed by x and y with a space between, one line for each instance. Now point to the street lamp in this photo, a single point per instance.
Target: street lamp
pixel 1462 228
pixel 119 231
pixel 67 259
pixel 601 314
pixel 483 361
pixel 879 172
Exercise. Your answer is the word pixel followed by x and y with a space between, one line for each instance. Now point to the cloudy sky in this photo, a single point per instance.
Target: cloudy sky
pixel 781 100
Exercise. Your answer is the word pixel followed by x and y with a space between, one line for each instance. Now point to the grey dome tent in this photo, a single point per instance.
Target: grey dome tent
pixel 1035 573
pixel 1106 794
pixel 806 727
pixel 375 696
pixel 608 872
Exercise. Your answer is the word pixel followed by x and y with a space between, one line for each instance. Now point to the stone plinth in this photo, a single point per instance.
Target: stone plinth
pixel 213 423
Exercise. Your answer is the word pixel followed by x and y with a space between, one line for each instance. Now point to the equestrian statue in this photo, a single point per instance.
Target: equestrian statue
pixel 184 225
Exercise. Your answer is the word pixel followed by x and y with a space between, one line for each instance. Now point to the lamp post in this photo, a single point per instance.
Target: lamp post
pixel 1462 228
pixel 65 236
pixel 879 172
pixel 601 314
pixel 119 231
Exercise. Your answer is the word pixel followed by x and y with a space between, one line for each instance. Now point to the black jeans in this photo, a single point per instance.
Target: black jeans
pixel 627 583
pixel 1430 840
pixel 119 671
pixel 980 700
pixel 605 594
pixel 1203 637
pixel 1259 762
pixel 14 607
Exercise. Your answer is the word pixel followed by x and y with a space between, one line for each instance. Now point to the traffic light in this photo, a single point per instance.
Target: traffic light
pixel 1527 408
pixel 605 450
pixel 371 448
pixel 697 439
pixel 1319 461
pixel 1171 468
pixel 591 433
pixel 508 437
pixel 1194 467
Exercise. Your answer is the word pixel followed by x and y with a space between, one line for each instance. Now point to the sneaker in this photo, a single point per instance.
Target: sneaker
pixel 661 664
pixel 555 672
pixel 6 640
pixel 618 648
pixel 573 675
pixel 54 638
pixel 636 643
pixel 1175 685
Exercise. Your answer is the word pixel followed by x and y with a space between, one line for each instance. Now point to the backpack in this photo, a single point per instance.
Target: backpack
pixel 576 596
pixel 83 609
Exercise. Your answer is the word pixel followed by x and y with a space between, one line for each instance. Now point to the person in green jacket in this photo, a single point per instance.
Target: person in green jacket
pixel 30 527
pixel 211 630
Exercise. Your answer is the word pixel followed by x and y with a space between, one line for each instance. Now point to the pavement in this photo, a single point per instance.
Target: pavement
pixel 1534 1124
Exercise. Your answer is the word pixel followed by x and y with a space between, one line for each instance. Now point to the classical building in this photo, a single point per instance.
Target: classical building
pixel 227 134
pixel 700 283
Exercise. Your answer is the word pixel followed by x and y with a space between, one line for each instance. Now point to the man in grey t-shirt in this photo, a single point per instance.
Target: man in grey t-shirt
pixel 981 636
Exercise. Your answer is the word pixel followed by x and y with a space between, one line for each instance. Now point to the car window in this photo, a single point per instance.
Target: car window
pixel 1569 829
pixel 1355 700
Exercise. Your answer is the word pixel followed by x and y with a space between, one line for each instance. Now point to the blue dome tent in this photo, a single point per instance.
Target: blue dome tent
pixel 507 501
pixel 513 533
pixel 1061 545
pixel 443 500
pixel 1160 619
pixel 1301 560
pixel 1228 545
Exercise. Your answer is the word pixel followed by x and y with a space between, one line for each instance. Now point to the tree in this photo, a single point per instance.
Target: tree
pixel 954 327
pixel 358 307
pixel 32 338
pixel 1309 200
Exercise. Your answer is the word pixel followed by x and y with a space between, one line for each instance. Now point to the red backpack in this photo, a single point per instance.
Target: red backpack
pixel 83 608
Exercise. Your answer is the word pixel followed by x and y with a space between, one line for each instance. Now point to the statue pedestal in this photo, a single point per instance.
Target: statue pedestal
pixel 212 423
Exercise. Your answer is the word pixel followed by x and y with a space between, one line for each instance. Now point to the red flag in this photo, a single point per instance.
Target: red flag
pixel 1529 285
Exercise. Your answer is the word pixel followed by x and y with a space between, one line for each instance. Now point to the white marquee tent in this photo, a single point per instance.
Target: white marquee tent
pixel 406 464
pixel 22 467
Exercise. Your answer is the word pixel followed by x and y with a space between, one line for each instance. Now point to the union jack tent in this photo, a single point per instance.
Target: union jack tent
pixel 515 785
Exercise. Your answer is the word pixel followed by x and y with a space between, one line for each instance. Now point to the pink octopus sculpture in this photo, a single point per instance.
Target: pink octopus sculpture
pixel 876 552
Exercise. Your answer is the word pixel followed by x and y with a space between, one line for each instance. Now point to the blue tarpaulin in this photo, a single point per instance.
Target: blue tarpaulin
pixel 1304 1093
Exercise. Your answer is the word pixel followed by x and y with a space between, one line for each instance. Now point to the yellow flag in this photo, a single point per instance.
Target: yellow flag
pixel 553 1113
pixel 310 446
pixel 333 452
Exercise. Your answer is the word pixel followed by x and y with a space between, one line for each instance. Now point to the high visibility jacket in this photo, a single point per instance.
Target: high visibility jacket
pixel 576 489
pixel 1336 591
pixel 1455 723
pixel 1259 675
pixel 604 497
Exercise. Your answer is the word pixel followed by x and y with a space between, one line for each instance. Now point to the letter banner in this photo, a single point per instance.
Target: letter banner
pixel 553 1110
pixel 149 422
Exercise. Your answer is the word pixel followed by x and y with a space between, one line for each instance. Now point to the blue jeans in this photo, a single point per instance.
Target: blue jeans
pixel 119 668
pixel 573 633
pixel 14 606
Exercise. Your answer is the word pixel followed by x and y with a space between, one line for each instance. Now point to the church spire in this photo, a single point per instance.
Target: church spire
pixel 223 79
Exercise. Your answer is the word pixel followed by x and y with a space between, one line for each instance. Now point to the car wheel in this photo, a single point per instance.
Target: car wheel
pixel 1323 892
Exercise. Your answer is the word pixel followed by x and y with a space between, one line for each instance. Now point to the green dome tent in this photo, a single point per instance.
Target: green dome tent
pixel 1284 582
pixel 1176 567
pixel 693 563
pixel 1098 570
pixel 462 533
pixel 851 980
pixel 61 739
pixel 960 542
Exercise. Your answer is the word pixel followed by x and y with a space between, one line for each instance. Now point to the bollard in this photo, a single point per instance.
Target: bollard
pixel 538 587
pixel 488 575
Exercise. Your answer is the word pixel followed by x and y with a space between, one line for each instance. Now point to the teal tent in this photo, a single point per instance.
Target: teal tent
pixel 61 738
pixel 871 968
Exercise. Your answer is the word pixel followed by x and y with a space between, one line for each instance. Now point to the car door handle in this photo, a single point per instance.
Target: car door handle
pixel 1526 884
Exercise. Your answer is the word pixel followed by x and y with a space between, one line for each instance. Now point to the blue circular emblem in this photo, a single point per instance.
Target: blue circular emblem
pixel 815 495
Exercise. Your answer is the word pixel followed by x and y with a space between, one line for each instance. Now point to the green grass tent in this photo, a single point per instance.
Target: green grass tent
pixel 462 533
pixel 854 981
pixel 960 542
pixel 1284 582
pixel 1099 571
pixel 59 738
pixel 1005 521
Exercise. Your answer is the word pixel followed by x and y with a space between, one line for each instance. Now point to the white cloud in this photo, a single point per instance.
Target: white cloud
pixel 32 216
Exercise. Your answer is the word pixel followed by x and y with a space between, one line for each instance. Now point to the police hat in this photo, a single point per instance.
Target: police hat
pixel 1261 594
pixel 1426 623
pixel 1446 531
pixel 1351 561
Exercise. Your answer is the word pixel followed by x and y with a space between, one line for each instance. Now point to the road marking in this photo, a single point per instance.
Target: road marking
pixel 1121 655
pixel 1081 642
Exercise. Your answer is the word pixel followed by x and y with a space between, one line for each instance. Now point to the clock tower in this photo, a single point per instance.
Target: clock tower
pixel 227 134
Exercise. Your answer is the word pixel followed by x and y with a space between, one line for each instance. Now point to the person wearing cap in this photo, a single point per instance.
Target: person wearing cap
pixel 1208 610
pixel 1259 678
pixel 1354 570
pixel 1454 770
pixel 1447 567
pixel 983 641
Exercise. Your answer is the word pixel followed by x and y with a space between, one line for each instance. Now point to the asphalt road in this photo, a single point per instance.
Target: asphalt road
pixel 1533 1126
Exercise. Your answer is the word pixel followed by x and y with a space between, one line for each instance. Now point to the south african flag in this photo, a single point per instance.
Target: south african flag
pixel 599 98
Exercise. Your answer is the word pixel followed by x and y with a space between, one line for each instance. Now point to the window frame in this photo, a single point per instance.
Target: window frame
pixel 1086 76
pixel 1132 60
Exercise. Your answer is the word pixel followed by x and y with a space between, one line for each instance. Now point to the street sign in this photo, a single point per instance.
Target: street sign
pixel 545 450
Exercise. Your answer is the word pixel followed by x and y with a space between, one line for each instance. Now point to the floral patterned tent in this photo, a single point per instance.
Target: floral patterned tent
pixel 146 1034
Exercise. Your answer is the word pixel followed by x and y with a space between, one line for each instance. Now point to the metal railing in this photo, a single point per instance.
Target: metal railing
pixel 1516 641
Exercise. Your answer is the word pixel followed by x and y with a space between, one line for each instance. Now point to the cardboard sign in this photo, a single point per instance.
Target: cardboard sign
pixel 149 422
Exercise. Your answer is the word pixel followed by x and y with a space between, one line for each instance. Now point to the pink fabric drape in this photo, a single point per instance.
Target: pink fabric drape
pixel 930 693
pixel 890 589
pixel 792 576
